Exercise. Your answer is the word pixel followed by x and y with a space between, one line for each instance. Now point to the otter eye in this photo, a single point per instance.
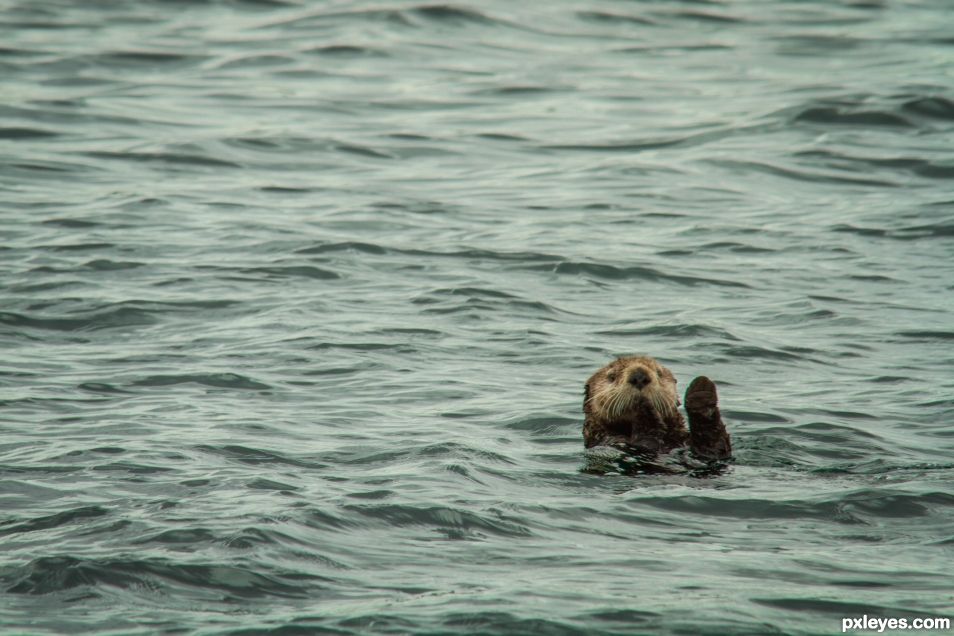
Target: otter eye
pixel 611 377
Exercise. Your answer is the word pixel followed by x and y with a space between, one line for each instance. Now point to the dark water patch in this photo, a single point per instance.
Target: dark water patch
pixel 284 190
pixel 679 331
pixel 941 229
pixel 543 426
pixel 250 538
pixel 755 352
pixel 885 504
pixel 524 90
pixel 499 622
pixel 450 14
pixel 293 271
pixel 321 519
pixel 268 484
pixel 50 169
pixel 217 380
pixel 829 511
pixel 265 61
pixel 345 50
pixel 623 618
pixel 49 575
pixel 755 416
pixel 450 523
pixel 890 379
pixel 363 151
pixel 119 318
pixel 72 224
pixel 502 137
pixel 191 537
pixel 439 450
pixel 708 16
pixel 919 167
pixel 257 456
pixel 924 335
pixel 934 107
pixel 106 265
pixel 185 160
pixel 818 45
pixel 131 468
pixel 346 246
pixel 372 495
pixel 863 118
pixel 78 247
pixel 634 272
pixel 605 17
pixel 738 248
pixel 15 526
pixel 471 298
pixel 809 176
pixel 141 59
pixel 387 17
pixel 835 608
pixel 620 147
pixel 358 346
pixel 37 470
pixel 16 133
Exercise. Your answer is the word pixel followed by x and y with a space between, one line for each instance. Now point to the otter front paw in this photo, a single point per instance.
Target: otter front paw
pixel 708 438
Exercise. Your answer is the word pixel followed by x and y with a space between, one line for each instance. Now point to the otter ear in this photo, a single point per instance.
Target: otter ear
pixel 586 397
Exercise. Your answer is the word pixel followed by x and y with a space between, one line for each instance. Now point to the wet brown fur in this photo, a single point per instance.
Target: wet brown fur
pixel 632 404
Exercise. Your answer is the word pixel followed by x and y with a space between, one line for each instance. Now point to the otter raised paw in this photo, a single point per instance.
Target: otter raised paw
pixel 708 438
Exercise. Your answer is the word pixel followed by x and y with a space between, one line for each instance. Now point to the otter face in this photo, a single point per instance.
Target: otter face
pixel 627 384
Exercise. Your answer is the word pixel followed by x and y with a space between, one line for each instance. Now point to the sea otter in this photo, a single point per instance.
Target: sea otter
pixel 631 404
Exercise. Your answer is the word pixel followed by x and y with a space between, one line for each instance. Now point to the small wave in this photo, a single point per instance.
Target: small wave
pixel 612 272
pixel 708 16
pixel 257 456
pixel 107 265
pixel 346 246
pixel 919 167
pixel 605 17
pixel 450 14
pixel 218 380
pixel 846 117
pixel 144 58
pixel 15 526
pixel 810 176
pixel 121 317
pixel 132 468
pixel 48 575
pixel 680 331
pixel 169 158
pixel 303 271
pixel 73 224
pixel 942 229
pixel 452 523
pixel 834 608
pixel 925 335
pixel 345 50
pixel 101 387
pixel 933 107
pixel 501 622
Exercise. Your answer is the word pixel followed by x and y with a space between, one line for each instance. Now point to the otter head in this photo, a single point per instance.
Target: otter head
pixel 632 401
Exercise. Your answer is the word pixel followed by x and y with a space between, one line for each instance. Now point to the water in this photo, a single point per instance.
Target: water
pixel 298 299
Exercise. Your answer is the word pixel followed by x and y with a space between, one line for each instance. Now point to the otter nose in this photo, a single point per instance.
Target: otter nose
pixel 639 378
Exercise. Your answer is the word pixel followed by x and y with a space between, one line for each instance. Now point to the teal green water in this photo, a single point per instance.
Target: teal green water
pixel 297 300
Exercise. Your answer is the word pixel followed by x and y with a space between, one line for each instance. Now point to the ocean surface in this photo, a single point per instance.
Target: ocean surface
pixel 297 301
